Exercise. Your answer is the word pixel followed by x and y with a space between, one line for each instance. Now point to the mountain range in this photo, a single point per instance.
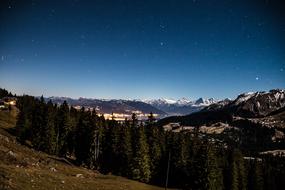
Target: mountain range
pixel 248 105
pixel 266 108
pixel 104 106
pixel 161 107
pixel 181 106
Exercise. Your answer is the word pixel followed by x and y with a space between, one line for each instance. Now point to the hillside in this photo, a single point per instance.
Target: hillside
pixel 25 169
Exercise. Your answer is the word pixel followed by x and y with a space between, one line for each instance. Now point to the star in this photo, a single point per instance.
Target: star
pixel 256 78
pixel 161 44
pixel 281 70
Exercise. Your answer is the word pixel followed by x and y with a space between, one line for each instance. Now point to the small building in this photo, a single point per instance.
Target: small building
pixel 10 100
pixel 2 105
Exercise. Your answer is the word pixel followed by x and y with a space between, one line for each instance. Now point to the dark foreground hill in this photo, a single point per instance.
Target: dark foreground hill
pixel 22 168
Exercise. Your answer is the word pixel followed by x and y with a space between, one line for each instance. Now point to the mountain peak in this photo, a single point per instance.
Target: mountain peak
pixel 206 102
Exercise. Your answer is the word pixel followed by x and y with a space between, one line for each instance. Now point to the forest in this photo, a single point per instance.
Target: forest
pixel 144 151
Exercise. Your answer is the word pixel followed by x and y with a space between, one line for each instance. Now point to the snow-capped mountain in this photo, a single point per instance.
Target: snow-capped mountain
pixel 181 106
pixel 252 104
pixel 258 103
pixel 161 101
pixel 163 106
pixel 204 102
pixel 265 108
pixel 181 102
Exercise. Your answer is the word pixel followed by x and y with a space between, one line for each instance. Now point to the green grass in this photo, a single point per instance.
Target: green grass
pixel 26 169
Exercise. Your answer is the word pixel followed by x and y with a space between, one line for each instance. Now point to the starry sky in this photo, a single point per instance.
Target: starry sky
pixel 142 48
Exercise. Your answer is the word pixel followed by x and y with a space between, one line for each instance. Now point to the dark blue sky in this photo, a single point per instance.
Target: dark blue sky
pixel 142 49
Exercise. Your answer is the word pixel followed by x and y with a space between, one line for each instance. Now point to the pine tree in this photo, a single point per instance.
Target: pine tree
pixel 125 150
pixel 237 168
pixel 96 139
pixel 73 120
pixel 197 164
pixel 107 159
pixel 83 138
pixel 150 120
pixel 258 182
pixel 155 151
pixel 134 120
pixel 114 145
pixel 49 135
pixel 63 127
pixel 141 161
pixel 38 125
pixel 214 173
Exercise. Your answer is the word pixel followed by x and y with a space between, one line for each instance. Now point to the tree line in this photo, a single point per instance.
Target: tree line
pixel 5 93
pixel 142 151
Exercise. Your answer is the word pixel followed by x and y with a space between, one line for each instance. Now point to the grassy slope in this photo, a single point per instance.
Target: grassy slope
pixel 24 168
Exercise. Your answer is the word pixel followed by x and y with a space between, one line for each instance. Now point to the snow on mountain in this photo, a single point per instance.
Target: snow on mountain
pixel 181 106
pixel 204 102
pixel 169 101
pixel 272 96
pixel 244 97
pixel 252 104
pixel 181 102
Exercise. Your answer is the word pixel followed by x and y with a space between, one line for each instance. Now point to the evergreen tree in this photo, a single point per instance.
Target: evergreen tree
pixel 3 93
pixel 49 134
pixel 83 138
pixel 257 182
pixel 155 151
pixel 109 152
pixel 38 125
pixel 214 173
pixel 63 127
pixel 134 120
pixel 150 120
pixel 141 161
pixel 125 150
pixel 179 160
pixel 237 168
pixel 73 120
pixel 197 165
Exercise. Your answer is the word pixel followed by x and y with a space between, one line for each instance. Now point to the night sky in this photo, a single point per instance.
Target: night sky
pixel 142 49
